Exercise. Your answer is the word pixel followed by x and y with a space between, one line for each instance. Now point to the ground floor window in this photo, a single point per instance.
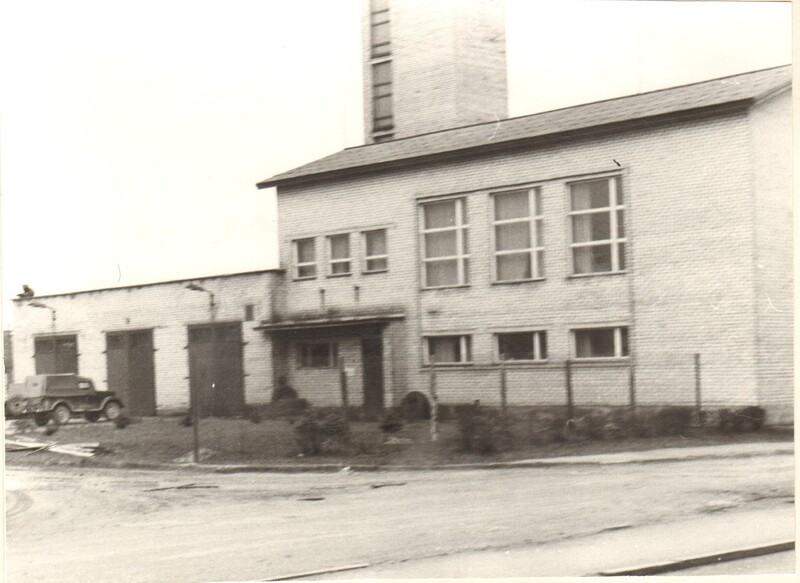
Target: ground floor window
pixel 522 346
pixel 56 354
pixel 448 350
pixel 609 342
pixel 317 354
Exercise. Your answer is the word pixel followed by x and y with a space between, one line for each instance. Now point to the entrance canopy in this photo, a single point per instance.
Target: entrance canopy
pixel 331 321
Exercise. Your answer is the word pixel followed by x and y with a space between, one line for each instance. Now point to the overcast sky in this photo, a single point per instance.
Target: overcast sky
pixel 133 132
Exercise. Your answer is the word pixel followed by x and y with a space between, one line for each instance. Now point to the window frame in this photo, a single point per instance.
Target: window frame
pixel 464 347
pixel 333 355
pixel 619 343
pixel 367 257
pixel 535 220
pixel 347 260
pixel 382 90
pixel 379 15
pixel 537 335
pixel 613 209
pixel 298 264
pixel 461 257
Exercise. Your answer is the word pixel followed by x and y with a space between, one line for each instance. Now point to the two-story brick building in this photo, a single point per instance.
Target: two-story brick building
pixel 645 240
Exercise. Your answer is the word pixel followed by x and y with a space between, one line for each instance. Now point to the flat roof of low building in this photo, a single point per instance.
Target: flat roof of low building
pixel 704 97
pixel 151 284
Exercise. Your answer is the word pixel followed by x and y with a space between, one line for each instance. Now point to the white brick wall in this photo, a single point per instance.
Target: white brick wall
pixel 690 286
pixel 167 309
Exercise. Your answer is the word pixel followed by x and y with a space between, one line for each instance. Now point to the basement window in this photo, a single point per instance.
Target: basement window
pixel 522 346
pixel 448 350
pixel 601 342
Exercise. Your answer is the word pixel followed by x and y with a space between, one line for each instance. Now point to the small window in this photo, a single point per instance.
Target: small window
pixel 598 233
pixel 306 258
pixel 382 107
pixel 444 243
pixel 522 346
pixel 249 312
pixel 601 342
pixel 339 252
pixel 376 256
pixel 448 350
pixel 317 354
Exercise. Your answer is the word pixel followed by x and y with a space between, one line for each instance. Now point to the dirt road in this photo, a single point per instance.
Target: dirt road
pixel 92 525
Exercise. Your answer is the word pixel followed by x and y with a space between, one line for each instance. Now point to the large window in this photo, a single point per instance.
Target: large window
pixel 339 253
pixel 56 354
pixel 382 108
pixel 444 242
pixel 317 354
pixel 518 240
pixel 601 342
pixel 448 350
pixel 522 346
pixel 598 234
pixel 305 258
pixel 376 254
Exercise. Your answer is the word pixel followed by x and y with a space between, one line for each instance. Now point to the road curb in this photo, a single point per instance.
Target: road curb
pixel 700 561
pixel 331 468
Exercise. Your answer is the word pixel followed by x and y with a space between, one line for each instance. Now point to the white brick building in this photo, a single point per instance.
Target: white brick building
pixel 634 238
pixel 151 342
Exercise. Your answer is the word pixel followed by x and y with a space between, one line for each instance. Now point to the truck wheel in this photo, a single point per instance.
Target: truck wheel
pixel 112 410
pixel 41 419
pixel 92 416
pixel 15 406
pixel 61 414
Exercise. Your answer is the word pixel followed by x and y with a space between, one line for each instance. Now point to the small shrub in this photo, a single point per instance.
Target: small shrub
pixel 483 430
pixel 391 422
pixel 741 420
pixel 673 420
pixel 321 432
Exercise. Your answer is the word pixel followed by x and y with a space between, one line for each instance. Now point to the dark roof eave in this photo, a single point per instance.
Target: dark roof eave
pixel 491 148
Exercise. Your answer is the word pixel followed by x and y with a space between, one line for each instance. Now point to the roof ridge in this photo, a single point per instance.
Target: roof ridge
pixel 626 96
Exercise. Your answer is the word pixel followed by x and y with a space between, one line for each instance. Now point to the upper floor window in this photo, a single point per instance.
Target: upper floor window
pixel 522 346
pixel 598 233
pixel 448 350
pixel 376 257
pixel 444 243
pixel 379 23
pixel 382 108
pixel 518 237
pixel 339 253
pixel 305 258
pixel 601 342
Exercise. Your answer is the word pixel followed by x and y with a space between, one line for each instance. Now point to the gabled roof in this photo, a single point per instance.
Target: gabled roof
pixel 703 97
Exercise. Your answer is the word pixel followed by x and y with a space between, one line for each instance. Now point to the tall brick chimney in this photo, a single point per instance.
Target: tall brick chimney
pixel 431 65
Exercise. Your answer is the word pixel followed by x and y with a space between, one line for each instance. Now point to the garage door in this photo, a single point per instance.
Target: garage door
pixel 215 368
pixel 131 371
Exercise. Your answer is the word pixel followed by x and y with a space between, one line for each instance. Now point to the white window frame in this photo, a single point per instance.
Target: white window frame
pixel 535 220
pixel 537 346
pixel 464 346
pixel 613 208
pixel 461 257
pixel 617 343
pixel 367 258
pixel 333 354
pixel 297 262
pixel 346 260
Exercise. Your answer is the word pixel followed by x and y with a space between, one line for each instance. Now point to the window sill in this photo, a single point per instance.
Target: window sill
pixel 334 275
pixel 607 360
pixel 429 366
pixel 515 363
pixel 518 281
pixel 595 274
pixel 457 286
pixel 377 271
pixel 304 278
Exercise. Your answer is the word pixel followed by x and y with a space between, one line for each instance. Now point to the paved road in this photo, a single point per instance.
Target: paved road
pixel 93 525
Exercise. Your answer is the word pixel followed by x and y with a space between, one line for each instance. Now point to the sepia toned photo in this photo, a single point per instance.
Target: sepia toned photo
pixel 397 289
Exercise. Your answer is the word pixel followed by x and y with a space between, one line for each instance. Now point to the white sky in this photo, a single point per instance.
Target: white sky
pixel 133 132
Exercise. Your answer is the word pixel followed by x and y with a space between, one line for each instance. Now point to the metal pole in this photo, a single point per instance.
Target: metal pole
pixel 697 388
pixel 632 386
pixel 195 423
pixel 343 387
pixel 434 405
pixel 503 390
pixel 570 406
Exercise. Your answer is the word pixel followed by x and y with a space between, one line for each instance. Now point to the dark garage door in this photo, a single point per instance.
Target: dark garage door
pixel 131 371
pixel 215 368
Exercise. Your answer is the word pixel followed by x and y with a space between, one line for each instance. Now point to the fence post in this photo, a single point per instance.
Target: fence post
pixel 697 388
pixel 343 387
pixel 632 386
pixel 570 405
pixel 503 390
pixel 195 406
pixel 434 405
